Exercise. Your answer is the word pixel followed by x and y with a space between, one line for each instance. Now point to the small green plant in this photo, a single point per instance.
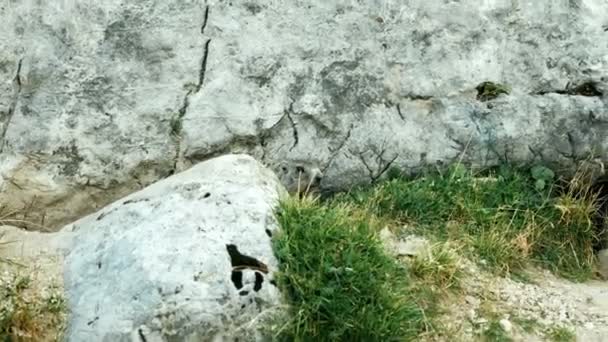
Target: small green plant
pixel 543 177
pixel 55 303
pixel 487 91
pixel 561 334
pixel 340 284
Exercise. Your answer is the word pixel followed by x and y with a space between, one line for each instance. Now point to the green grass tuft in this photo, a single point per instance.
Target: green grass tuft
pixel 495 333
pixel 438 269
pixel 28 315
pixel 504 218
pixel 340 284
pixel 561 334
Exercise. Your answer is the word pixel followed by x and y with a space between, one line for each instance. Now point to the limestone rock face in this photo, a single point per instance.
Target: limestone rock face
pixel 101 98
pixel 186 259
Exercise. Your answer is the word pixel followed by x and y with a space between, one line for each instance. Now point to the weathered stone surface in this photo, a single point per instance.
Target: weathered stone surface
pixel 42 252
pixel 98 99
pixel 187 259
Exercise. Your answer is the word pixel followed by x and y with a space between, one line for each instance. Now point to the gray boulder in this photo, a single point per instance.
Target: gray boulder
pixel 100 99
pixel 187 259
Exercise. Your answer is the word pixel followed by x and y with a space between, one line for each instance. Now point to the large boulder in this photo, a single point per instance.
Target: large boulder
pixel 187 259
pixel 100 98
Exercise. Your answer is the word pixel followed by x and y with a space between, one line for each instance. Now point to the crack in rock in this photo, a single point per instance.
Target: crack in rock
pixel 415 97
pixel 334 152
pixel 203 69
pixel 293 126
pixel 176 123
pixel 382 164
pixel 535 153
pixel 13 106
pixel 588 88
pixel 399 112
pixel 205 19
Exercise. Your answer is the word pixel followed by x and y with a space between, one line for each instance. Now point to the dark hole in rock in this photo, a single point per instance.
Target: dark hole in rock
pixel 207 195
pixel 241 261
pixel 99 265
pixel 89 323
pixel 273 282
pixel 178 289
pixel 259 279
pixel 243 306
pixel 487 91
pixel 244 293
pixel 299 169
pixel 268 232
pixel 237 279
pixel 586 89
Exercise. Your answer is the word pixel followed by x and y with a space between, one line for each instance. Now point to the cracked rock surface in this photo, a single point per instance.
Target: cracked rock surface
pixel 189 258
pixel 99 99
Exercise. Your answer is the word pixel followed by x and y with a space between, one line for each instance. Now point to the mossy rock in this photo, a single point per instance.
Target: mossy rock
pixel 487 91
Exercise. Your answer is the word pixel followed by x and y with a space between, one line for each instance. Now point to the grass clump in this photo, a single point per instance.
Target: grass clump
pixel 439 268
pixel 29 311
pixel 28 315
pixel 561 334
pixel 495 333
pixel 506 217
pixel 341 286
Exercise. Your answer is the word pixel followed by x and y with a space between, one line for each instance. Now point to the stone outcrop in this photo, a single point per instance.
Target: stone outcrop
pixel 188 258
pixel 99 99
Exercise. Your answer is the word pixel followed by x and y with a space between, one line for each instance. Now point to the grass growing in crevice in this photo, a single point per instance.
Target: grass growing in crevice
pixel 340 284
pixel 504 218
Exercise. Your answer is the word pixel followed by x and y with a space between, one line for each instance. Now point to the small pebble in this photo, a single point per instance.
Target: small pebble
pixel 506 325
pixel 472 315
pixel 472 300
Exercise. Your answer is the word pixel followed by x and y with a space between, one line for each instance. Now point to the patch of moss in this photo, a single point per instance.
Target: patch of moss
pixel 487 91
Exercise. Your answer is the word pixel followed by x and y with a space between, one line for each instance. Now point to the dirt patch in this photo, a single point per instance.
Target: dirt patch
pixel 529 309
